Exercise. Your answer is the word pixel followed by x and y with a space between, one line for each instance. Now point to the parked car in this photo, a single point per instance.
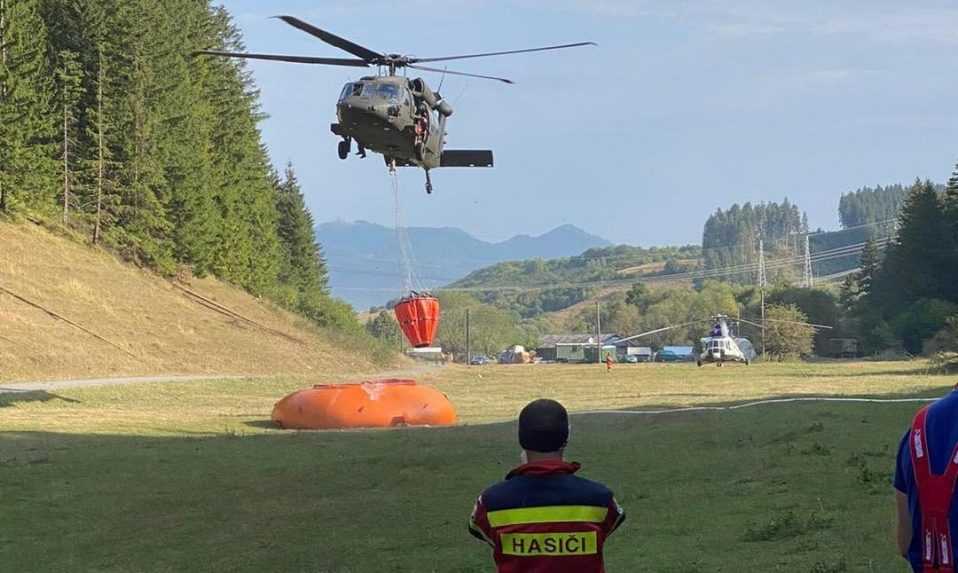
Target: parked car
pixel 480 360
pixel 675 354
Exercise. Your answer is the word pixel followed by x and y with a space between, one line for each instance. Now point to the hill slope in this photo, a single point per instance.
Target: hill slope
pixel 363 258
pixel 534 287
pixel 146 324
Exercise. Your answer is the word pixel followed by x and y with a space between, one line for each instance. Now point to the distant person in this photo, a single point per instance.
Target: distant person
pixel 543 518
pixel 608 362
pixel 925 482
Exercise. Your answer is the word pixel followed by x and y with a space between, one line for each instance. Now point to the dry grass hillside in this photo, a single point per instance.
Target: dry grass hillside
pixel 141 324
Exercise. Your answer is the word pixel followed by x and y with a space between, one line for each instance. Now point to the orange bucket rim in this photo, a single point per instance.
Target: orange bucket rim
pixel 383 382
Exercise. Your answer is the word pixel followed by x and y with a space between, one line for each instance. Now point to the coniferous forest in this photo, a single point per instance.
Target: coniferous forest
pixel 108 124
pixel 907 296
pixel 731 237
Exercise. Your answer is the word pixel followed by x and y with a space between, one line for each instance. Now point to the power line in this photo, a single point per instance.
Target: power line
pixel 715 272
pixel 862 226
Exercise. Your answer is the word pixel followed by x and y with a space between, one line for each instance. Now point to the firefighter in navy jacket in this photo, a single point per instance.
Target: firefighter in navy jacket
pixel 543 518
pixel 925 480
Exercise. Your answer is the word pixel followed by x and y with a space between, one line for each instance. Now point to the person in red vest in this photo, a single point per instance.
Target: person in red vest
pixel 608 362
pixel 543 518
pixel 925 482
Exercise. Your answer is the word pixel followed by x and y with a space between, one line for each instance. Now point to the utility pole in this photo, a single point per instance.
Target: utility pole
pixel 809 278
pixel 468 348
pixel 762 283
pixel 598 335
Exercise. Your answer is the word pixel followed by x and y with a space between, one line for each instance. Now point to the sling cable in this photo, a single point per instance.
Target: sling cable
pixel 417 312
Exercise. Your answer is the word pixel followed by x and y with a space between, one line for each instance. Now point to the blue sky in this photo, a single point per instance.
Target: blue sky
pixel 683 107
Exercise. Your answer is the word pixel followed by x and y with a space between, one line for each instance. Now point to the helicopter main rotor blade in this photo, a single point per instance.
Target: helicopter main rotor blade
pixel 658 330
pixel 443 59
pixel 749 322
pixel 284 58
pixel 424 68
pixel 813 325
pixel 333 39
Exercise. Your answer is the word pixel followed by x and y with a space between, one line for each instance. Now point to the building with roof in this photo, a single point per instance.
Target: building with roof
pixel 580 347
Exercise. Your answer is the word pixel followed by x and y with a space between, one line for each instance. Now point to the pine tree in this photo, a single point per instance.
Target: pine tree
pixel 79 28
pixel 951 214
pixel 185 145
pixel 857 287
pixel 385 328
pixel 951 189
pixel 914 261
pixel 97 130
pixel 27 128
pixel 302 266
pixel 248 249
pixel 69 88
pixel 870 265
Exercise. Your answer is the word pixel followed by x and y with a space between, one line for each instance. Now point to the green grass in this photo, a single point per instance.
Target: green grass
pixel 187 477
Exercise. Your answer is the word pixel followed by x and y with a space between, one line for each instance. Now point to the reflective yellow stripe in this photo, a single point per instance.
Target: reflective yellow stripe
pixel 550 544
pixel 547 514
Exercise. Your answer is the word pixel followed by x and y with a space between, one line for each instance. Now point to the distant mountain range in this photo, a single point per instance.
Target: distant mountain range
pixel 364 258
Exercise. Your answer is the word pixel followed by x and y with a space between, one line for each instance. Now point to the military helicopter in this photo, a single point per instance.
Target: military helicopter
pixel 402 119
pixel 720 346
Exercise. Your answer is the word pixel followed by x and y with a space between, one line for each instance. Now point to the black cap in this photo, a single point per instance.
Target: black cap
pixel 543 426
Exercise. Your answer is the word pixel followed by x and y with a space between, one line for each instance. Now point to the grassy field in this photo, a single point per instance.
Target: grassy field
pixel 190 477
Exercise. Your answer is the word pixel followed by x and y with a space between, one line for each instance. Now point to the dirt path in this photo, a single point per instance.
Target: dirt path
pixel 50 385
pixel 25 387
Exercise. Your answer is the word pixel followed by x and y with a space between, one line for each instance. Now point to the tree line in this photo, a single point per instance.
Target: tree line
pixel 907 295
pixel 108 124
pixel 731 237
pixel 869 205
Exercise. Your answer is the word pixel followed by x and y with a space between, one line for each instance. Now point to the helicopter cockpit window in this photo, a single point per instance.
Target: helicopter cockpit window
pixel 357 89
pixel 388 92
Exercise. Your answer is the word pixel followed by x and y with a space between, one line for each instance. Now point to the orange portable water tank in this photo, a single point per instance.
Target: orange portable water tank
pixel 418 317
pixel 371 404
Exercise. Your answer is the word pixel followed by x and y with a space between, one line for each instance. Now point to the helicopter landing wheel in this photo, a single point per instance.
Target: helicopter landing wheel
pixel 698 363
pixel 747 362
pixel 344 146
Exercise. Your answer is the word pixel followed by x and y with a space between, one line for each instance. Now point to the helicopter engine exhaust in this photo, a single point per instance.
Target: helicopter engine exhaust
pixel 444 108
pixel 433 99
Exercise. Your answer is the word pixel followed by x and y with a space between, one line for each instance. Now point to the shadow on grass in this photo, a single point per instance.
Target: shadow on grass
pixel 785 399
pixel 262 424
pixel 917 371
pixel 11 396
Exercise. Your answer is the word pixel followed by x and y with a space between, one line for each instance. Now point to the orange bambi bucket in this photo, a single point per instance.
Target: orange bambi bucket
pixel 418 318
pixel 371 404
